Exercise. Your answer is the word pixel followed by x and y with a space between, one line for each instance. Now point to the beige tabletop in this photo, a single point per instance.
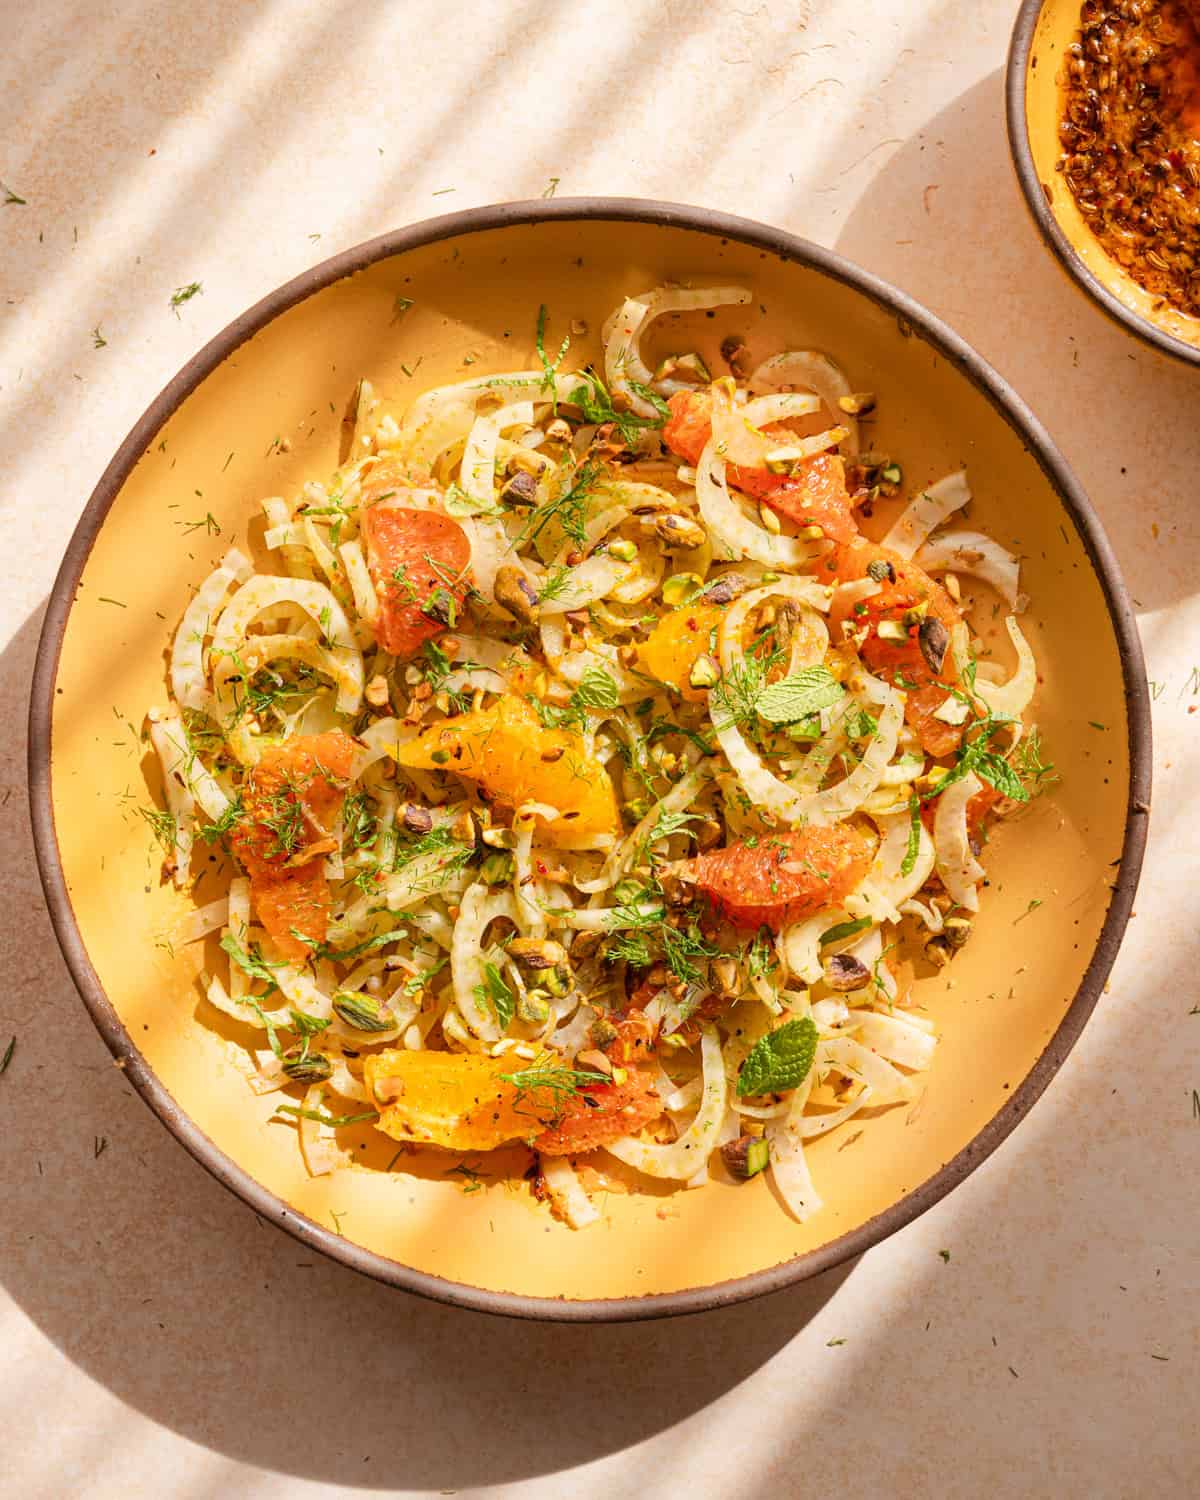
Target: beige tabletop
pixel 1036 1333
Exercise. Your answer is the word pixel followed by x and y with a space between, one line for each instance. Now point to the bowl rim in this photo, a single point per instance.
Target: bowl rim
pixel 1016 82
pixel 911 316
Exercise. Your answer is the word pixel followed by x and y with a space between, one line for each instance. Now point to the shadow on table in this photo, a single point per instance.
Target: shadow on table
pixel 945 220
pixel 187 1306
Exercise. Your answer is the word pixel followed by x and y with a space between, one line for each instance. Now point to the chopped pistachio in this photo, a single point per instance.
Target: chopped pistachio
pixel 705 673
pixel 622 549
pixel 680 587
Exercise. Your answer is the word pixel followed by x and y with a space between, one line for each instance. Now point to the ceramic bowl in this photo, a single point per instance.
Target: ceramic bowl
pixel 255 413
pixel 1043 32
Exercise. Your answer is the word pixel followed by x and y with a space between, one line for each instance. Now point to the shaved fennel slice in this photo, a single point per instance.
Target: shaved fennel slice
pixel 886 873
pixel 262 593
pixel 959 869
pixel 300 991
pixel 366 601
pixel 187 651
pixel 199 923
pixel 977 556
pixel 888 1084
pixel 318 1143
pixel 682 1158
pixel 443 416
pixel 381 738
pixel 237 928
pixel 894 1038
pixel 805 591
pixel 438 873
pixel 478 910
pixel 765 789
pixel 567 1192
pixel 813 371
pixel 218 997
pixel 478 469
pixel 788 1165
pixel 925 511
pixel 171 746
pixel 592 580
pixel 734 530
pixel 623 360
pixel 736 429
pixel 1014 696
pixel 800 944
pixel 677 800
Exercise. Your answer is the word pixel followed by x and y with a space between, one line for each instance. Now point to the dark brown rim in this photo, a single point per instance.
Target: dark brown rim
pixel 953 349
pixel 1016 79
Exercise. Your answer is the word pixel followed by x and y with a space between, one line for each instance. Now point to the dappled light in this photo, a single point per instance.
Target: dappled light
pixel 1033 1323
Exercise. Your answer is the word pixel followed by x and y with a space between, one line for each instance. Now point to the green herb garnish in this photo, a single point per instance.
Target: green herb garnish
pixel 779 1060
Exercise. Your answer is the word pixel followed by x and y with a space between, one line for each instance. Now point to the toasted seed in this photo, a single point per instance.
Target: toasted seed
pixel 934 640
pixel 957 930
pixel 844 972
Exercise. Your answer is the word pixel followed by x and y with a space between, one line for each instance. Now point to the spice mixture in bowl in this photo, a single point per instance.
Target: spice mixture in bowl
pixel 1103 105
pixel 1131 139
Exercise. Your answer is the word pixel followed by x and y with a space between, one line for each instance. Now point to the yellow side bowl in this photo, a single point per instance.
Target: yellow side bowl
pixel 256 413
pixel 1043 32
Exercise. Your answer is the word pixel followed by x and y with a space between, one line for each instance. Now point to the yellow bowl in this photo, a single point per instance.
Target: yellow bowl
pixel 1044 30
pixel 256 412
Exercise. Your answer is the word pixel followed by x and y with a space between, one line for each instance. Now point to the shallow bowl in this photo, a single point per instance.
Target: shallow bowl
pixel 256 412
pixel 1044 30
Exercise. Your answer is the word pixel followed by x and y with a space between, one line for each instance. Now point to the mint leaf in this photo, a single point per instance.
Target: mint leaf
pixel 844 930
pixel 252 964
pixel 909 862
pixel 780 1060
pixel 997 772
pixel 496 993
pixel 795 697
pixel 596 690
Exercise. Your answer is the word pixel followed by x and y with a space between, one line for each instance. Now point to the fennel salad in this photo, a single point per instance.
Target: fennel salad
pixel 588 775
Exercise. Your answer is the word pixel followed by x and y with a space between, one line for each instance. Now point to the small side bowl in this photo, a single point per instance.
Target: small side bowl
pixel 1044 30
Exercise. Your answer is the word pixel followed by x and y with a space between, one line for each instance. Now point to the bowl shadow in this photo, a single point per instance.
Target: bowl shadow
pixel 944 218
pixel 114 1241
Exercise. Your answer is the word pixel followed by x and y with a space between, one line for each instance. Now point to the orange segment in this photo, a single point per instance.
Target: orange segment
pixel 505 749
pixel 672 648
pixel 452 1099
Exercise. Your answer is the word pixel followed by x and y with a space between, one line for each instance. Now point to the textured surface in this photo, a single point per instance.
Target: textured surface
pixel 158 1340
